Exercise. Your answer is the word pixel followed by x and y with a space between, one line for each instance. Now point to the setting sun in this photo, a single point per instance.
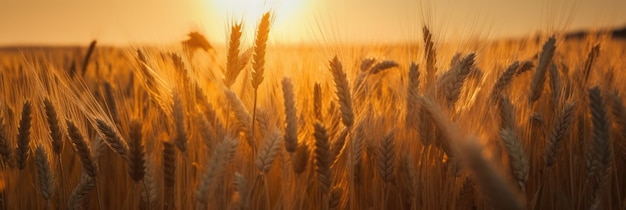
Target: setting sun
pixel 286 13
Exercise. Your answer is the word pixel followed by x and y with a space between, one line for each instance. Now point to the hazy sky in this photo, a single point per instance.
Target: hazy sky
pixel 119 22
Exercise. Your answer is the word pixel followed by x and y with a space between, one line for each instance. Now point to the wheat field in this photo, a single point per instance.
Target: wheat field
pixel 535 123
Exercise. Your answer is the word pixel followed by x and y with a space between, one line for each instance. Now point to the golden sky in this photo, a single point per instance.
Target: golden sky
pixel 121 22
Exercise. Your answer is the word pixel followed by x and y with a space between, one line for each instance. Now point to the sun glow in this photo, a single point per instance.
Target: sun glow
pixel 286 14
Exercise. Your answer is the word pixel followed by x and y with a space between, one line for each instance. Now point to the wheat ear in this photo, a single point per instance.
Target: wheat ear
pixel 178 115
pixel 218 163
pixel 291 120
pixel 538 80
pixel 112 138
pixel 44 173
pixel 300 158
pixel 260 44
pixel 599 157
pixel 23 135
pixel 234 63
pixel 561 126
pixel 517 157
pixel 504 80
pixel 322 158
pixel 241 185
pixel 243 117
pixel 86 184
pixel 412 93
pixel 137 161
pixel 53 125
pixel 269 150
pixel 343 91
pixel 386 161
pixel 83 150
pixel 5 146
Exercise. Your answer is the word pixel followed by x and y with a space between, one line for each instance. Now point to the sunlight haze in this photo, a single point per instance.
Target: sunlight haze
pixel 68 22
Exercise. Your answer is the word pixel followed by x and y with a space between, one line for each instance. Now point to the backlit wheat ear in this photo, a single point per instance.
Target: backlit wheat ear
pixel 5 147
pixel 218 163
pixel 234 63
pixel 178 114
pixel 619 114
pixel 169 165
pixel 23 136
pixel 538 81
pixel 291 121
pixel 53 125
pixel 241 185
pixel 269 150
pixel 507 113
pixel 343 91
pixel 430 55
pixel 367 63
pixel 243 117
pixel 44 173
pixel 81 192
pixel 412 107
pixel 524 67
pixel 384 65
pixel 334 201
pixel 504 80
pixel 591 58
pixel 317 101
pixel 338 145
pixel 599 157
pixel 560 128
pixel 83 150
pixel 386 161
pixel 322 158
pixel 300 158
pixel 112 138
pixel 453 80
pixel 517 156
pixel 488 178
pixel 259 50
pixel 137 162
